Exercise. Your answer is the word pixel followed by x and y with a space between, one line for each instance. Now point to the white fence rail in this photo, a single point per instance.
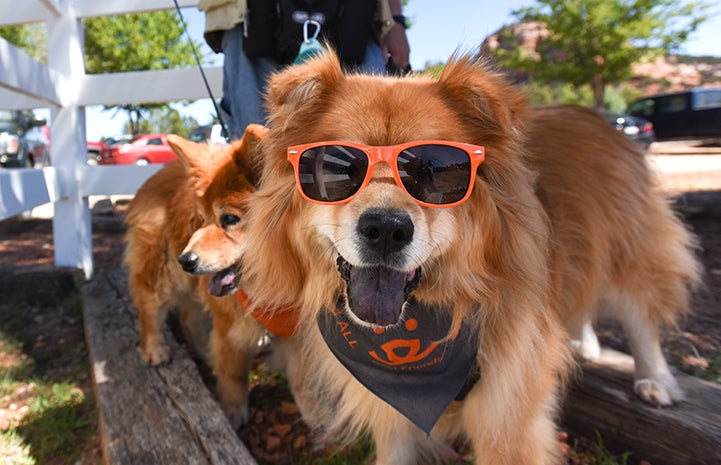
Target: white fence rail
pixel 63 86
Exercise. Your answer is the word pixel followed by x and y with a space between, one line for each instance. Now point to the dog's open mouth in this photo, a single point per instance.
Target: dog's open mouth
pixel 224 282
pixel 376 294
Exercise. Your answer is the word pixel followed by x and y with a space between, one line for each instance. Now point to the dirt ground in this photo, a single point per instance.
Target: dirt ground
pixel 695 345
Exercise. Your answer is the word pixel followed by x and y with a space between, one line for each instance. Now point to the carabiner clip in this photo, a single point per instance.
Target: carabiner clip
pixel 307 39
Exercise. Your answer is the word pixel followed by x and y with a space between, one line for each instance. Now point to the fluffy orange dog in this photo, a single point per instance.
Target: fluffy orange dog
pixel 189 218
pixel 431 233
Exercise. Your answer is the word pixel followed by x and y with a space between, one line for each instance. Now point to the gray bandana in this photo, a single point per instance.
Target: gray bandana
pixel 405 364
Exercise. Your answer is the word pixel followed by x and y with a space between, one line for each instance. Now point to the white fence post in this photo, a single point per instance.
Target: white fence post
pixel 72 229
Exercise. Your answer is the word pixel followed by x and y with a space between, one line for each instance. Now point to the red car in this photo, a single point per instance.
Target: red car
pixel 143 150
pixel 103 149
pixel 96 152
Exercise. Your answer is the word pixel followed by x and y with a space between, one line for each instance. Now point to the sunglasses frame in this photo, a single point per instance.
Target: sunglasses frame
pixel 389 155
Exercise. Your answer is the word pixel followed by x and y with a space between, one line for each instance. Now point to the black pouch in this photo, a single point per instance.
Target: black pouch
pixel 275 28
pixel 353 31
pixel 260 24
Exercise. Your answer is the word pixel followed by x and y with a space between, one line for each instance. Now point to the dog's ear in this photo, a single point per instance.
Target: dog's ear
pixel 298 89
pixel 189 152
pixel 484 98
pixel 196 158
pixel 248 154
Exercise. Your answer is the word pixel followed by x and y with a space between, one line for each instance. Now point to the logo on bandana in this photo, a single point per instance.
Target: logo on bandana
pixel 403 351
pixel 409 365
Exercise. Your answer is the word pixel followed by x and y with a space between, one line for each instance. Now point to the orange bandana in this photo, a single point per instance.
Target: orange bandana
pixel 281 321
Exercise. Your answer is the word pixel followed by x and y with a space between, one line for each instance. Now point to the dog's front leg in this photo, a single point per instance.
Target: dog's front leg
pixel 234 342
pixel 508 426
pixel 397 439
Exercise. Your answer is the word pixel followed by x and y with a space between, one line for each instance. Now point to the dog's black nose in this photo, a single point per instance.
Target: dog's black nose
pixel 189 261
pixel 385 231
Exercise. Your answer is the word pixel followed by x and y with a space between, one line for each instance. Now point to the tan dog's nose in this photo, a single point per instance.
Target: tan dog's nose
pixel 385 231
pixel 189 261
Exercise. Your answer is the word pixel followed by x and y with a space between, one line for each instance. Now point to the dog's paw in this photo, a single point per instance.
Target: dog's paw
pixel 587 348
pixel 156 355
pixel 238 417
pixel 585 343
pixel 659 393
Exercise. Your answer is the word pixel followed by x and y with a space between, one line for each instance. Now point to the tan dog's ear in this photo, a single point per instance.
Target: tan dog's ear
pixel 248 155
pixel 197 159
pixel 191 153
pixel 293 91
pixel 484 98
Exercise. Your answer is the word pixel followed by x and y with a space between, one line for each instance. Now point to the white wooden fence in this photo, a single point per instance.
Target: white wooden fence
pixel 63 86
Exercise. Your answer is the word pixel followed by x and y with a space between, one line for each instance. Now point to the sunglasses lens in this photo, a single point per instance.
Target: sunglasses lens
pixel 331 173
pixel 434 173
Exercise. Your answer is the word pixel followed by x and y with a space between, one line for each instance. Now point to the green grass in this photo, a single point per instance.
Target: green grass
pixel 18 365
pixel 595 453
pixel 14 450
pixel 58 420
pixel 713 372
pixel 358 453
pixel 57 416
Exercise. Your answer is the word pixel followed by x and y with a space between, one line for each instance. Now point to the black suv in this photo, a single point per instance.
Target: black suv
pixel 15 149
pixel 691 114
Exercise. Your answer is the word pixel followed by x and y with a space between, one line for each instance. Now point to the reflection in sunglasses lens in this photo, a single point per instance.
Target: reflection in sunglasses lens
pixel 332 173
pixel 437 174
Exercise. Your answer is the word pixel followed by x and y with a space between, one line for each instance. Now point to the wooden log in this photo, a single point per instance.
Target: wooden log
pixel 166 415
pixel 602 401
pixel 149 415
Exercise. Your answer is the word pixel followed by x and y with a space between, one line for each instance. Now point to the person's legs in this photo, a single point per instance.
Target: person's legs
pixel 373 61
pixel 243 83
pixel 244 80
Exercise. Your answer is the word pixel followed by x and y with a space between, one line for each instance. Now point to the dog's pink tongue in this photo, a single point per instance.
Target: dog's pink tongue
pixel 376 294
pixel 223 282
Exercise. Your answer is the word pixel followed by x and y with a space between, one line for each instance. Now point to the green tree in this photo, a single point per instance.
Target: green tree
pixel 137 42
pixel 31 38
pixel 595 42
pixel 433 69
pixel 167 120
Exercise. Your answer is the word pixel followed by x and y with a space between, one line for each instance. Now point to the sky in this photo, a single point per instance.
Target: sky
pixel 439 28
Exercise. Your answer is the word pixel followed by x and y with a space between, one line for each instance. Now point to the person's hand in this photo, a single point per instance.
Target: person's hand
pixel 396 45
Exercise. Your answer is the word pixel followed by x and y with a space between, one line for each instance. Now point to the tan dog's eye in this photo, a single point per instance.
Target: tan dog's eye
pixel 228 219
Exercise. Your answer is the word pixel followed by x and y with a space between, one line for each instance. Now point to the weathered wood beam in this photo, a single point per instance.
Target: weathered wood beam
pixel 158 415
pixel 602 401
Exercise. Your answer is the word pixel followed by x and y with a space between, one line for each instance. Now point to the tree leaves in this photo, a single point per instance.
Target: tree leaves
pixel 595 42
pixel 136 42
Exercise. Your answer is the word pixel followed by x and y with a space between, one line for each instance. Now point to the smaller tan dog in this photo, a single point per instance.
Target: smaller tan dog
pixel 185 237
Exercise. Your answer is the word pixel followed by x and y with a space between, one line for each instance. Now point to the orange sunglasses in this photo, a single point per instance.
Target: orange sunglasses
pixel 435 173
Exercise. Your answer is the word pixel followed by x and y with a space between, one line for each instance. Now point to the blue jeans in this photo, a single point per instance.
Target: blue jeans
pixel 245 79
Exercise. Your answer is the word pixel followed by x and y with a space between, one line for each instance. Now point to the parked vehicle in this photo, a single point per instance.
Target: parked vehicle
pixel 103 149
pixel 15 148
pixel 212 133
pixel 690 114
pixel 637 129
pixel 38 139
pixel 118 140
pixel 95 151
pixel 143 150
